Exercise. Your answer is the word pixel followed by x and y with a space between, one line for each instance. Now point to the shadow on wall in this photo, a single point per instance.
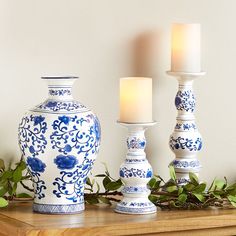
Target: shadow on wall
pixel 146 58
pixel 146 55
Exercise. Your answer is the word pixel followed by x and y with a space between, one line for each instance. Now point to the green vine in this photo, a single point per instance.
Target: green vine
pixel 164 194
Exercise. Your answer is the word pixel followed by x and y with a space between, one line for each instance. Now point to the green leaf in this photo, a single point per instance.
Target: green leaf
pixel 22 165
pixel 233 203
pixel 17 175
pixel 193 178
pixel 2 165
pixel 231 198
pixel 199 196
pixel 10 190
pixel 23 195
pixel 152 182
pixel 172 172
pixel 189 187
pixel 14 187
pixel 219 184
pixel 100 175
pixel 92 201
pixel 106 181
pixel 231 189
pixel 88 182
pixel 98 187
pixel 171 189
pixel 7 175
pixel 180 190
pixel 114 185
pixel 171 182
pixel 3 202
pixel 212 186
pixel 104 200
pixel 216 195
pixel 200 188
pixel 153 198
pixel 182 197
pixel 157 185
pixel 3 191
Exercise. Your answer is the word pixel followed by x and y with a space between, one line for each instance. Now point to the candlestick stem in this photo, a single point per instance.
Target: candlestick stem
pixel 185 141
pixel 135 173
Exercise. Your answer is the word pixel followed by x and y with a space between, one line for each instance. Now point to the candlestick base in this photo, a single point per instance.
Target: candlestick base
pixel 135 173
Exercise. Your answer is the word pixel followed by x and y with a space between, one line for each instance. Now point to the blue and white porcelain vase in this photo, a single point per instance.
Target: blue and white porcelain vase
pixel 60 140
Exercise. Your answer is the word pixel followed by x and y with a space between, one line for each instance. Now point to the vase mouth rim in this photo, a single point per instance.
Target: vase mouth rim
pixel 59 77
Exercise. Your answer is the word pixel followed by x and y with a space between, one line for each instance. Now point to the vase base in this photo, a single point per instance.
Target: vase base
pixel 58 208
pixel 150 208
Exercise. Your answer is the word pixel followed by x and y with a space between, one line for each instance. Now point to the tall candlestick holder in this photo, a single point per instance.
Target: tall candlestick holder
pixel 135 173
pixel 185 141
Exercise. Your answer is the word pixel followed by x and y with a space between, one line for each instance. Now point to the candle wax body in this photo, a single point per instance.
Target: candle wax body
pixel 136 100
pixel 186 48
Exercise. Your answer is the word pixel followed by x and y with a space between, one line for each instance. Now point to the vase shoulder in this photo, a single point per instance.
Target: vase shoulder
pixel 60 107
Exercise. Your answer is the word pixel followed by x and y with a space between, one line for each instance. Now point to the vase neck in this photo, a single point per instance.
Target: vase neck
pixel 60 88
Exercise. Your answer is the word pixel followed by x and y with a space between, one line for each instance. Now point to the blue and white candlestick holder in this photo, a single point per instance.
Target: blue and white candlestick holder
pixel 185 141
pixel 135 173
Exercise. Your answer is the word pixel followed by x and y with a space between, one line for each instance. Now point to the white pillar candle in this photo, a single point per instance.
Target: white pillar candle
pixel 186 48
pixel 135 100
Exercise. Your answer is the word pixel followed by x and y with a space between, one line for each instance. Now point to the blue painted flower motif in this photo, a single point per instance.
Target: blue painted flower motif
pixel 51 104
pixel 67 148
pixel 97 129
pixel 32 149
pixel 177 101
pixel 142 144
pixel 38 120
pixel 185 143
pixel 177 146
pixel 65 162
pixel 185 100
pixel 36 164
pixel 200 144
pixel 122 173
pixel 64 119
pixel 149 174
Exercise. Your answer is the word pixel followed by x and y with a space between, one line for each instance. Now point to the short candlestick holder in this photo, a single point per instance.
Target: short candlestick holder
pixel 185 141
pixel 135 173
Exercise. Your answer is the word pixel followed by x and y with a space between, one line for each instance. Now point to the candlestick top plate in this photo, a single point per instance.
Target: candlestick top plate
pixel 145 124
pixel 180 73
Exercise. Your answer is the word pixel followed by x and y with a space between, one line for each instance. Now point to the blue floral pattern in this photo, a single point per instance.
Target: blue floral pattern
pixel 185 100
pixel 136 204
pixel 68 135
pixel 136 143
pixel 65 162
pixel 73 180
pixel 31 134
pixel 133 172
pixel 134 189
pixel 186 164
pixel 185 143
pixel 134 160
pixel 186 126
pixel 36 164
pixel 59 92
pixel 60 106
pixel 36 167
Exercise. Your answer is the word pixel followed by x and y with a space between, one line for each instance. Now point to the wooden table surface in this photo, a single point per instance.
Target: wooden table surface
pixel 18 219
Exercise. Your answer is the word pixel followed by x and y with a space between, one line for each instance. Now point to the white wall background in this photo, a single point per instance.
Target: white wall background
pixel 103 40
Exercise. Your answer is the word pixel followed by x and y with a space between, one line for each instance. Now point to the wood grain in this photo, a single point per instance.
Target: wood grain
pixel 18 219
